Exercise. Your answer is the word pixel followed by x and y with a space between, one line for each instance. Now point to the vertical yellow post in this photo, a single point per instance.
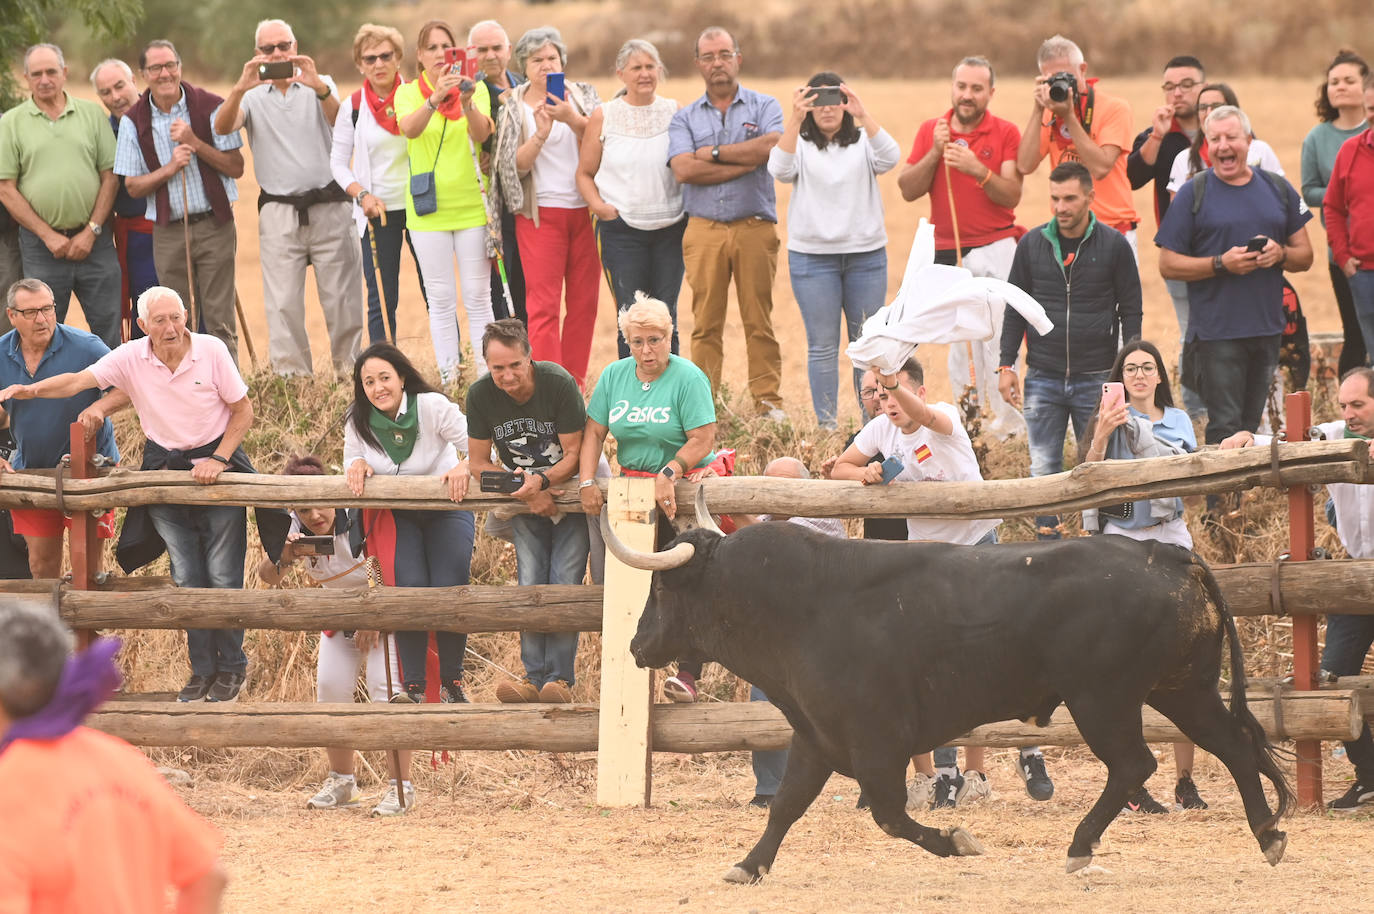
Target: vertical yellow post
pixel 623 751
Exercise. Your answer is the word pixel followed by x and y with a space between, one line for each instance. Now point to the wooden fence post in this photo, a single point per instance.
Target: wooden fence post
pixel 1301 542
pixel 623 751
pixel 84 544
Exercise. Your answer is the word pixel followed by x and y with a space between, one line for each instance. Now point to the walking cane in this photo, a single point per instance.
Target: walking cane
pixel 247 334
pixel 377 277
pixel 971 393
pixel 373 573
pixel 186 233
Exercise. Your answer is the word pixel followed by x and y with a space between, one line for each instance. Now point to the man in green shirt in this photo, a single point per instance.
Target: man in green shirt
pixel 57 180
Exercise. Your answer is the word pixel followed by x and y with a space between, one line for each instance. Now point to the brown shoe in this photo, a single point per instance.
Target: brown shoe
pixel 515 693
pixel 556 691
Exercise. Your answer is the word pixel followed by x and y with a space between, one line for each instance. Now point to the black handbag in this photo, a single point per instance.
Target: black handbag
pixel 1121 511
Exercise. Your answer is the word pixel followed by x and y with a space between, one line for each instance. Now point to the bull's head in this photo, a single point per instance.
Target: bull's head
pixel 668 625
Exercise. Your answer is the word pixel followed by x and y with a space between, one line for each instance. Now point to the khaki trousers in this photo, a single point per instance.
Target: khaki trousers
pixel 213 248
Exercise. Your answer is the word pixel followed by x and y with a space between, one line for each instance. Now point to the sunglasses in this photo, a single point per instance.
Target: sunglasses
pixel 384 57
pixel 282 46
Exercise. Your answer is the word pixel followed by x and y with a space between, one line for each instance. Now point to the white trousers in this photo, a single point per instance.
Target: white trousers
pixel 992 261
pixel 436 252
pixel 336 674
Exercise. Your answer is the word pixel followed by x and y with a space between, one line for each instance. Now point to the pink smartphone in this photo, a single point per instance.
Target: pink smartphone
pixel 1113 395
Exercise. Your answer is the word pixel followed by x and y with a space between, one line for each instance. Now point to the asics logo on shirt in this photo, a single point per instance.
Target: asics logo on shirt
pixel 651 415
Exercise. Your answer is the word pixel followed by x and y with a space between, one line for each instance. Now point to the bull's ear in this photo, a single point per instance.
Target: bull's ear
pixel 692 574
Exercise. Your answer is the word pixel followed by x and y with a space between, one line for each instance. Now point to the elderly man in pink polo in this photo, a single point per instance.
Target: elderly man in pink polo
pixel 194 409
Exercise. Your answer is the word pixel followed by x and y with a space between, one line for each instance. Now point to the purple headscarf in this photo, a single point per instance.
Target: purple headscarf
pixel 87 680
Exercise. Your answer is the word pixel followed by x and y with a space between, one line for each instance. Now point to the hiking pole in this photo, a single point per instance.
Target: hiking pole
pixel 374 573
pixel 247 334
pixel 186 234
pixel 387 323
pixel 493 227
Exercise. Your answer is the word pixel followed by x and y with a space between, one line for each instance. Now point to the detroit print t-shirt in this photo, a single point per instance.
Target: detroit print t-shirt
pixel 928 457
pixel 526 434
pixel 650 420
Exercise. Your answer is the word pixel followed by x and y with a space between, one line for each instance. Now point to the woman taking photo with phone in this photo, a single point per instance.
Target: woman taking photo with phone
pixel 833 151
pixel 1137 418
pixel 398 425
pixel 341 653
pixel 443 113
pixel 625 178
pixel 369 161
pixel 537 150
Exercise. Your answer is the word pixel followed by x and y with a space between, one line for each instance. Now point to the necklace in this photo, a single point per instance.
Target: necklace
pixel 645 385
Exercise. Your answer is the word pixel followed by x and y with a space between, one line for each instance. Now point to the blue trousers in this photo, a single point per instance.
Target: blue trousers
pixel 433 549
pixel 206 547
pixel 640 261
pixel 388 239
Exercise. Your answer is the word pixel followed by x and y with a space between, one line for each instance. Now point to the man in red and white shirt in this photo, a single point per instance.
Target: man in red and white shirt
pixel 966 161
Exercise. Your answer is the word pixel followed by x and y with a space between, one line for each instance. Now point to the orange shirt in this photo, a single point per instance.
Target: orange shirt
pixel 1111 126
pixel 89 825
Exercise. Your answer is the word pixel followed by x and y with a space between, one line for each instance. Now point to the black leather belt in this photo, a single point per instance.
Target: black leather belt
pixel 193 218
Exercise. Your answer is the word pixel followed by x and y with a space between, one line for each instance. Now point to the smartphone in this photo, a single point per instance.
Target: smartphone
pixel 555 86
pixel 500 481
pixel 1113 395
pixel 825 96
pixel 315 545
pixel 470 62
pixel 892 468
pixel 276 69
pixel 1256 244
pixel 455 57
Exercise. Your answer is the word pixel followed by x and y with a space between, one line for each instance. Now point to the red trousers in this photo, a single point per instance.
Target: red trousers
pixel 560 250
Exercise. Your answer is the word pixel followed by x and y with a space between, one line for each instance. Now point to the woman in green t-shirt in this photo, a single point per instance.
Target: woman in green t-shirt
pixel 445 116
pixel 659 408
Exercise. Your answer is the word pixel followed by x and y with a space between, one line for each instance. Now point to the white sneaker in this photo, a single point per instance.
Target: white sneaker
pixel 391 804
pixel 974 788
pixel 336 793
pixel 918 793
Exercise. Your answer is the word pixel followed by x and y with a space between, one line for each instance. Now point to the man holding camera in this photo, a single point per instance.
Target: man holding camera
pixel 1083 125
pixel 534 414
pixel 169 153
pixel 1222 235
pixel 288 109
pixel 966 161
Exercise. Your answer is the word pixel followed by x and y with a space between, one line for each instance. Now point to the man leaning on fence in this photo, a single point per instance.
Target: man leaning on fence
pixel 169 153
pixel 194 409
pixel 533 413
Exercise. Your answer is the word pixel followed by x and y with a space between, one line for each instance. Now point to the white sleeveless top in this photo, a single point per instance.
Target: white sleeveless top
pixel 634 176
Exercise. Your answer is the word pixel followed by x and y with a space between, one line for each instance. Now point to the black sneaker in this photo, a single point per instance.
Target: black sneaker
pixel 1038 783
pixel 1186 796
pixel 195 689
pixel 415 692
pixel 1358 795
pixel 226 687
pixel 1141 801
pixel 451 693
pixel 947 791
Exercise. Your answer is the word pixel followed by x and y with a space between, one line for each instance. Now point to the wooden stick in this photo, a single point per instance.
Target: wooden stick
pixel 247 334
pixel 959 262
pixel 190 271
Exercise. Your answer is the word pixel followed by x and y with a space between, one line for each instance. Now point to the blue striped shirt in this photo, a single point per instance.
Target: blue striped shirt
pixel 129 160
pixel 701 123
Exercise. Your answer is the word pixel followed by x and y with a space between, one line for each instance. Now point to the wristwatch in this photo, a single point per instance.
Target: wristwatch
pixel 223 460
pixel 323 95
pixel 1219 266
pixel 96 228
pixel 543 480
pixel 715 153
pixel 668 471
pixel 586 482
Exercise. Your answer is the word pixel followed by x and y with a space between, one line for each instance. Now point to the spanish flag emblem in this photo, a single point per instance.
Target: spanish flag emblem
pixel 922 453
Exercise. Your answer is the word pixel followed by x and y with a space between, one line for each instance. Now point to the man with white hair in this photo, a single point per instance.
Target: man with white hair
pixel 194 409
pixel 113 80
pixel 57 181
pixel 1231 233
pixel 301 222
pixel 492 46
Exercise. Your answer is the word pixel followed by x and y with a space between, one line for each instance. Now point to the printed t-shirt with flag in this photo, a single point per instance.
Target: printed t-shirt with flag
pixel 929 457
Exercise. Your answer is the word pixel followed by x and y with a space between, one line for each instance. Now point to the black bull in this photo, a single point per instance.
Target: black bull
pixel 876 651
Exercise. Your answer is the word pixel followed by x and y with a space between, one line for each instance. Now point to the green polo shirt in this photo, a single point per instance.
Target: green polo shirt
pixel 57 163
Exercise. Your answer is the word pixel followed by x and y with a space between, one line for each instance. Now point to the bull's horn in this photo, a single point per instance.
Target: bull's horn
pixel 704 518
pixel 679 555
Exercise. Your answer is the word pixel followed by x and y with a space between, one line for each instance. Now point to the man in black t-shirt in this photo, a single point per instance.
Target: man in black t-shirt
pixel 533 414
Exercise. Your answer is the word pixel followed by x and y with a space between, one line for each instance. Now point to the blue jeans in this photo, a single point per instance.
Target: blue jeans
pixel 640 261
pixel 828 287
pixel 1178 291
pixel 549 553
pixel 1362 291
pixel 433 549
pixel 206 547
pixel 770 765
pixel 1236 375
pixel 388 241
pixel 1051 401
pixel 1348 639
pixel 97 281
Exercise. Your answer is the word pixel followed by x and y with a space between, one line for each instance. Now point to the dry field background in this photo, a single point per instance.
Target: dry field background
pixel 520 831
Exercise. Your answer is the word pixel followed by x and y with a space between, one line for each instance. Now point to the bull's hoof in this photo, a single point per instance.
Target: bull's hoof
pixel 1077 863
pixel 965 845
pixel 1274 844
pixel 740 876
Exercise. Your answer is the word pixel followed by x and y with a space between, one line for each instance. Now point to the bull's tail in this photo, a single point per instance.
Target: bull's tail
pixel 1265 751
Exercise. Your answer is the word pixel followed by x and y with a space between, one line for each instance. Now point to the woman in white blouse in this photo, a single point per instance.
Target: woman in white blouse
pixel 625 178
pixel 833 151
pixel 399 425
pixel 368 161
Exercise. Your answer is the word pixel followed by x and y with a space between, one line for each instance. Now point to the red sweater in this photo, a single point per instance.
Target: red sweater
pixel 1349 203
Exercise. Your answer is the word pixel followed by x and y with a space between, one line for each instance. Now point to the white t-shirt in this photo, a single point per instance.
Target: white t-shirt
pixel 1261 156
pixel 928 457
pixel 555 168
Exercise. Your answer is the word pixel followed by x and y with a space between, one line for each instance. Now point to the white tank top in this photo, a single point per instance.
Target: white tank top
pixel 555 168
pixel 634 176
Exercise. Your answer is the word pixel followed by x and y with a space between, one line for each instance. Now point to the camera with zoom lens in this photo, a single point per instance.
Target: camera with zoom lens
pixel 1062 86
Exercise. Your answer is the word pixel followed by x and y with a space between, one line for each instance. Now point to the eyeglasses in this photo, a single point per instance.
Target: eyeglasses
pixel 722 57
pixel 170 66
pixel 868 393
pixel 282 46
pixel 1186 85
pixel 641 342
pixel 29 314
pixel 1208 106
pixel 1146 369
pixel 384 57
